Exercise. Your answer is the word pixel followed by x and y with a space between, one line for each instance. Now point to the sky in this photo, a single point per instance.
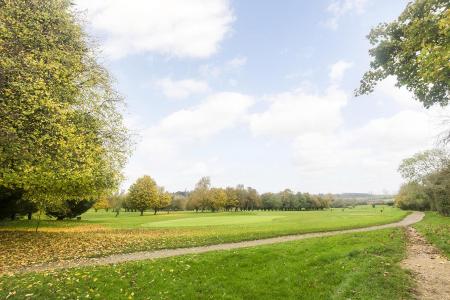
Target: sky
pixel 258 92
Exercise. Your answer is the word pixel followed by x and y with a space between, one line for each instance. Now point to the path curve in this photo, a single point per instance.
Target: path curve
pixel 143 255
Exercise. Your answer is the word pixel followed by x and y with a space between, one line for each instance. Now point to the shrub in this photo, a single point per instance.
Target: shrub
pixel 69 209
pixel 413 196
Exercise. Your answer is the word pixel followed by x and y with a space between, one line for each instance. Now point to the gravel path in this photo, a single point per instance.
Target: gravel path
pixel 431 270
pixel 136 256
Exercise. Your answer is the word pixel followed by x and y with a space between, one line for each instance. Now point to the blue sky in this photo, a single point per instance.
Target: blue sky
pixel 258 93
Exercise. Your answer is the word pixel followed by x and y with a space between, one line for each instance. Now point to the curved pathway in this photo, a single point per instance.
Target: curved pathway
pixel 136 256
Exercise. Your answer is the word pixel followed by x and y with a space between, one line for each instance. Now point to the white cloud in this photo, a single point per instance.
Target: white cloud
pixel 192 28
pixel 328 155
pixel 366 158
pixel 298 112
pixel 219 111
pixel 338 69
pixel 340 8
pixel 309 143
pixel 179 89
pixel 362 159
pixel 164 148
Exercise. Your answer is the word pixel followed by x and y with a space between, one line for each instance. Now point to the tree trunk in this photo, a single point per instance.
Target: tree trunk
pixel 155 211
pixel 13 216
pixel 29 215
pixel 142 212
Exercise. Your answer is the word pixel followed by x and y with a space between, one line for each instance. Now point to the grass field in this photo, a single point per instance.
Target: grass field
pixel 274 220
pixel 436 229
pixel 349 266
pixel 101 233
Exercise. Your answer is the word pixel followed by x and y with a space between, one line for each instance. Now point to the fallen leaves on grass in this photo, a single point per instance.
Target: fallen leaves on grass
pixel 22 248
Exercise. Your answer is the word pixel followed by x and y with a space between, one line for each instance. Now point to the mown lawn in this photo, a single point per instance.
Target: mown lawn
pixel 436 229
pixel 101 233
pixel 349 266
pixel 272 220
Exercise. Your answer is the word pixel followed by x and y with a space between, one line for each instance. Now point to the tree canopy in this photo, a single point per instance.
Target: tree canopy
pixel 415 49
pixel 428 182
pixel 143 194
pixel 422 164
pixel 61 132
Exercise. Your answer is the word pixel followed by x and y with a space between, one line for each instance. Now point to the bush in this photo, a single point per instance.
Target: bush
pixel 413 196
pixel 12 204
pixel 69 209
pixel 438 187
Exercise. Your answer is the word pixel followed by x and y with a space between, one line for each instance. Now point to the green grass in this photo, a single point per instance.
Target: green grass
pixel 100 233
pixel 282 222
pixel 436 229
pixel 349 266
pixel 212 220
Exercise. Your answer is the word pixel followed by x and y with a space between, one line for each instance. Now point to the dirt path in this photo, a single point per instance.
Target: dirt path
pixel 136 256
pixel 431 270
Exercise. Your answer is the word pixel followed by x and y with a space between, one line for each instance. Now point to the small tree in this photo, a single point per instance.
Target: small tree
pixel 218 198
pixel 102 203
pixel 413 196
pixel 143 194
pixel 163 200
pixel 199 198
pixel 232 199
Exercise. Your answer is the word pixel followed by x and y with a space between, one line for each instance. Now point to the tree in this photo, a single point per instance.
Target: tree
pixel 12 203
pixel 163 200
pixel 116 201
pixel 438 188
pixel 101 203
pixel 428 182
pixel 415 49
pixel 310 201
pixel 252 200
pixel 218 198
pixel 199 198
pixel 241 194
pixel 422 164
pixel 412 195
pixel 143 194
pixel 270 201
pixel 287 199
pixel 232 199
pixel 61 132
pixel 179 201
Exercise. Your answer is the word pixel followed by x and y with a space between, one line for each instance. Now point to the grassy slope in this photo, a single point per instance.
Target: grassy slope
pixel 356 266
pixel 436 229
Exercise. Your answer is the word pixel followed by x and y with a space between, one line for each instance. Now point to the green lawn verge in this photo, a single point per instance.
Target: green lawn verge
pixel 348 266
pixel 436 229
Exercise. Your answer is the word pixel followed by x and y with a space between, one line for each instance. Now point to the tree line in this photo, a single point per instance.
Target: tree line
pixel 427 185
pixel 144 195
